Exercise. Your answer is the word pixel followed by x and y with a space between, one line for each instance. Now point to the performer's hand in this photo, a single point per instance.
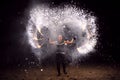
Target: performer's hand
pixel 52 42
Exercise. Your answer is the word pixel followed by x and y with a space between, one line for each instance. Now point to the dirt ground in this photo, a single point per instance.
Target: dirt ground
pixel 50 73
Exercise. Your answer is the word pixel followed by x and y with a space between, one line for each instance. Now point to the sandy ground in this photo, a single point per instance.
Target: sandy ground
pixel 74 73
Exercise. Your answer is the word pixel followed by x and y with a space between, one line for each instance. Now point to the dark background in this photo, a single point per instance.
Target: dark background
pixel 13 18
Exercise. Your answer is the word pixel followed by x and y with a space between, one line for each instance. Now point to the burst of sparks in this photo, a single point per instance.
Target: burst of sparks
pixel 55 18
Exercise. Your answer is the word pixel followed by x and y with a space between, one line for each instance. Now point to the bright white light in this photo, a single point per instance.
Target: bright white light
pixel 41 69
pixel 55 18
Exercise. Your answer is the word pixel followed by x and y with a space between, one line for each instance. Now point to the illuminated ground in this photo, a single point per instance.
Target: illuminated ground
pixel 74 73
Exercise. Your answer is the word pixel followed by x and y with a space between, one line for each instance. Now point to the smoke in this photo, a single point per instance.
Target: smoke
pixel 47 23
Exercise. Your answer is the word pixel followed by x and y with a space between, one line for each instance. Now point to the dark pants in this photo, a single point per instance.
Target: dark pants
pixel 60 60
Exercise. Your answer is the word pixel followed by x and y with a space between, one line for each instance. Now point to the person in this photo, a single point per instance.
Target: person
pixel 60 53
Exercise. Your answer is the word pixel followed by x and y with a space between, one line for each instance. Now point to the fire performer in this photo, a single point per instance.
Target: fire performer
pixel 60 53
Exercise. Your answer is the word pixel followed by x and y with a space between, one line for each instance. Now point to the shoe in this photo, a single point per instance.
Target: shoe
pixel 65 72
pixel 58 74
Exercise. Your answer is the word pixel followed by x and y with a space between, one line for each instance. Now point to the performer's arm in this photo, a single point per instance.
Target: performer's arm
pixel 69 42
pixel 52 42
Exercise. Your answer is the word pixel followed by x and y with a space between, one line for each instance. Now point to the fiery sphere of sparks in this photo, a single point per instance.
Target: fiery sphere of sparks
pixel 46 23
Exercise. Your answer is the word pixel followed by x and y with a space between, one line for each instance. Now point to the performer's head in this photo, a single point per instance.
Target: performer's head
pixel 44 30
pixel 60 37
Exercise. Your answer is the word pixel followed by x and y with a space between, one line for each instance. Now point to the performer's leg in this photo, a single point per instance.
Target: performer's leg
pixel 64 64
pixel 58 63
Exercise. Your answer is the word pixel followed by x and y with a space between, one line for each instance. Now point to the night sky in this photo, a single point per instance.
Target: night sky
pixel 13 18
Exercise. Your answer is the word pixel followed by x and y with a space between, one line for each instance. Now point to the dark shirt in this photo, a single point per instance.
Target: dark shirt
pixel 60 46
